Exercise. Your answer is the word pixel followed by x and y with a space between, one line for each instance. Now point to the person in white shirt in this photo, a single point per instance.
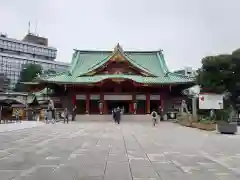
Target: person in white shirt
pixel 154 117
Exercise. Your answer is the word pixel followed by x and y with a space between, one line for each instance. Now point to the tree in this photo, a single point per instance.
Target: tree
pixel 28 73
pixel 50 72
pixel 215 73
pixel 221 74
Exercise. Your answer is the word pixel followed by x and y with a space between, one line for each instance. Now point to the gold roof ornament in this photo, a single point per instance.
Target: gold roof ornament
pixel 118 53
pixel 118 48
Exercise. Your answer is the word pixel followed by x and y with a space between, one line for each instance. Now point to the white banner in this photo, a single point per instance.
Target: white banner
pixel 141 97
pixel 94 97
pixel 154 97
pixel 118 97
pixel 80 97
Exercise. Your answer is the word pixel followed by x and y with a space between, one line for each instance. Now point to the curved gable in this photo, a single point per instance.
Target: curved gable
pixel 118 56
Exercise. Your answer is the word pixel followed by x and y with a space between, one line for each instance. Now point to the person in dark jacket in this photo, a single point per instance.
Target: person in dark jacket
pixel 118 115
pixel 74 113
pixel 114 114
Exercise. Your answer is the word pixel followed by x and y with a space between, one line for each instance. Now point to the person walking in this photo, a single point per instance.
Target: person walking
pixel 74 113
pixel 46 116
pixel 49 116
pixel 118 115
pixel 51 112
pixel 17 115
pixel 65 115
pixel 154 117
pixel 114 114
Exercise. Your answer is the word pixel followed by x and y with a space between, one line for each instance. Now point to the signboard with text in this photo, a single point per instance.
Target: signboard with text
pixel 210 101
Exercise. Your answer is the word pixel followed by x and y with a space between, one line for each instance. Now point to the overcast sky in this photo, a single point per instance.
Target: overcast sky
pixel 186 30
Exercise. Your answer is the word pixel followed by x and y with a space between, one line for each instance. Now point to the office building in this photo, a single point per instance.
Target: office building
pixel 187 71
pixel 32 49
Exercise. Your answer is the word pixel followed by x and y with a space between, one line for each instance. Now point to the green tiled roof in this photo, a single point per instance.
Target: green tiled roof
pixel 166 79
pixel 40 95
pixel 43 92
pixel 151 62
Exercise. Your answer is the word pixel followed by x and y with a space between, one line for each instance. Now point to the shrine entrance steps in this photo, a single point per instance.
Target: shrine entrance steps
pixel 109 118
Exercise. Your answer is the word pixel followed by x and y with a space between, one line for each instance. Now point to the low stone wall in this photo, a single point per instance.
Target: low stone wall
pixel 206 127
pixel 186 120
pixel 186 123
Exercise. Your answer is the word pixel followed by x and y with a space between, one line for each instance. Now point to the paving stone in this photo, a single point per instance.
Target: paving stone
pixel 64 172
pixel 145 179
pixel 185 176
pixel 89 178
pixel 91 171
pixel 8 175
pixel 118 158
pixel 3 154
pixel 136 154
pixel 143 172
pixel 96 150
pixel 227 177
pixel 158 157
pixel 140 162
pixel 40 173
pixel 117 170
pixel 167 167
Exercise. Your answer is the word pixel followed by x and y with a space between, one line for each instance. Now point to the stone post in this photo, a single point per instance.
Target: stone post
pixel 194 108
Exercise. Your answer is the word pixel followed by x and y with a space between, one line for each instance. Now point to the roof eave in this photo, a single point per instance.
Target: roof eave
pixel 84 83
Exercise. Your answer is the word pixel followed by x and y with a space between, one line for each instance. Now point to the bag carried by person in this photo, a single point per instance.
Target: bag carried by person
pixel 154 115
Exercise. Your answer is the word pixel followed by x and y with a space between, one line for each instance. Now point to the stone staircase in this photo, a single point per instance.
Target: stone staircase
pixel 109 118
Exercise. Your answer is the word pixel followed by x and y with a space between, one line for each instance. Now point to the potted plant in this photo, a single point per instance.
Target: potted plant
pixel 206 123
pixel 226 125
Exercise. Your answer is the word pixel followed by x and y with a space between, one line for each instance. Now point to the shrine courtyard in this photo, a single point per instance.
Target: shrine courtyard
pixel 107 151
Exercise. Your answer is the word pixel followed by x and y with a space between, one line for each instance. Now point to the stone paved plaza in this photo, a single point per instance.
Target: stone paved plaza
pixel 131 150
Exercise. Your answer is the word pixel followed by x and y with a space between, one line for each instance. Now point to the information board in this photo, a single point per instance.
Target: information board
pixel 210 101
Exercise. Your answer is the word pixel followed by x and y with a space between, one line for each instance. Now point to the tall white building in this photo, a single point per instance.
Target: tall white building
pixel 32 49
pixel 187 71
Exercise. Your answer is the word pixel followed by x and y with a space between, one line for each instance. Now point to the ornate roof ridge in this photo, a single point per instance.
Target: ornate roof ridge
pixel 126 51
pixel 119 49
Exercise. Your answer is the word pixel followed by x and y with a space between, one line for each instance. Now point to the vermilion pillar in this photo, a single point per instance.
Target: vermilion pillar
pixel 130 107
pixel 87 103
pixel 74 100
pixel 148 103
pixel 105 108
pixel 133 101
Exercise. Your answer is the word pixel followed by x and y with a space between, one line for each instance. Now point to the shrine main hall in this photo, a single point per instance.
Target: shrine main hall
pixel 98 81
